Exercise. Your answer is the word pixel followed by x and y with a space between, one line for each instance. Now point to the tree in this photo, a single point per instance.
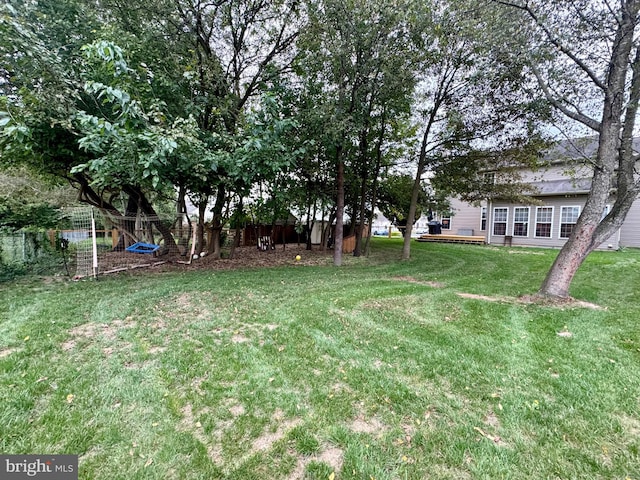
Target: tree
pixel 467 107
pixel 585 59
pixel 44 96
pixel 394 199
pixel 357 54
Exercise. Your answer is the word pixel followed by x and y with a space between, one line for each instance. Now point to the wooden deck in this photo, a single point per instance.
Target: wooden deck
pixel 471 239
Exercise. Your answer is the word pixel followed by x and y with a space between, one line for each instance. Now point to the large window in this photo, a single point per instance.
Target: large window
pixel 483 218
pixel 568 218
pixel 521 222
pixel 500 217
pixel 544 219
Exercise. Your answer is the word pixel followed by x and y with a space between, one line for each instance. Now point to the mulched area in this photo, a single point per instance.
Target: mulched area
pixel 244 257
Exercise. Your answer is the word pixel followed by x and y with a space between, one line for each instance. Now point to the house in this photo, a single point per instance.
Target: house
pixel 561 188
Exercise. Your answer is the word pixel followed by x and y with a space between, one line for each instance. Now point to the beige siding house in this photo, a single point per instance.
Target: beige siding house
pixel 561 190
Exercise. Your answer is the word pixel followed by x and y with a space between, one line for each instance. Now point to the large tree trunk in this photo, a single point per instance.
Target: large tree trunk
pixel 415 193
pixel 215 231
pixel 200 227
pixel 126 225
pixel 145 206
pixel 614 140
pixel 376 174
pixel 360 217
pixel 238 229
pixel 310 223
pixel 339 231
pixel 417 184
pixel 588 234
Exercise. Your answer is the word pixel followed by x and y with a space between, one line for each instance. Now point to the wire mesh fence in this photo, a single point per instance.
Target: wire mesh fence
pixel 108 242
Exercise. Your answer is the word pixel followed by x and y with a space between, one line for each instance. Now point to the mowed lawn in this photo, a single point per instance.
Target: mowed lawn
pixel 375 370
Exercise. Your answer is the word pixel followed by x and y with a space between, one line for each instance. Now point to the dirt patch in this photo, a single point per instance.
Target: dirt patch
pixel 419 282
pixel 69 345
pixel 105 331
pixel 244 257
pixel 268 439
pixel 492 420
pixel 196 385
pixel 560 303
pixel 557 302
pixel 631 426
pixel 108 331
pixel 237 338
pixel 333 456
pixel 237 410
pixel 7 351
pixel 370 426
pixel 190 425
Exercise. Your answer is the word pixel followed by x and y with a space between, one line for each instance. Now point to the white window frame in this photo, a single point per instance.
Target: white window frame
pixel 483 218
pixel 506 222
pixel 535 223
pixel 527 222
pixel 560 222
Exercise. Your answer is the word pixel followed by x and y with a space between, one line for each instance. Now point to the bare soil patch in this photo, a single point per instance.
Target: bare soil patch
pixel 560 303
pixel 419 282
pixel 237 410
pixel 369 426
pixel 190 425
pixel 333 456
pixel 7 351
pixel 268 439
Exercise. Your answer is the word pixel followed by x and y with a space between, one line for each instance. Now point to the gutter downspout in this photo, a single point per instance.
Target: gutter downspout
pixel 489 221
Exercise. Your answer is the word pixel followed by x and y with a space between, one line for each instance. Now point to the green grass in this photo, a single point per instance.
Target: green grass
pixel 371 370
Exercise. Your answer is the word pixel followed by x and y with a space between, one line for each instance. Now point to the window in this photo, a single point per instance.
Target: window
pixel 568 218
pixel 483 218
pixel 500 217
pixel 521 222
pixel 544 218
pixel 489 178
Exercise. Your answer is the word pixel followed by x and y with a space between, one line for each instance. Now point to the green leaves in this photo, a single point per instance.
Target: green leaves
pixel 108 54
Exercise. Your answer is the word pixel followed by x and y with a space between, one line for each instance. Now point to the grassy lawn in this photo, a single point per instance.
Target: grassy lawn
pixel 376 370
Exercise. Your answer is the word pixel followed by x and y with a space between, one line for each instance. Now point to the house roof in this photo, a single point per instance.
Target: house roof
pixel 561 187
pixel 577 149
pixel 572 149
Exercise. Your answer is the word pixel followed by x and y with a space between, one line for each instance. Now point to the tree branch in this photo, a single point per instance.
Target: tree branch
pixel 556 42
pixel 575 115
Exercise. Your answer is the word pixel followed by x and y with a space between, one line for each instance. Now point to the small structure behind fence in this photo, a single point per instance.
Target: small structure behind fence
pixel 23 247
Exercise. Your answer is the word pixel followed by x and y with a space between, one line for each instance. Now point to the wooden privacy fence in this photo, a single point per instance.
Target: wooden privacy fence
pixel 349 244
